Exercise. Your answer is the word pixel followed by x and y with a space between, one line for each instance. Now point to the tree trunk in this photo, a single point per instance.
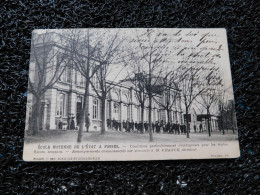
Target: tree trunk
pixel 168 115
pixel 187 123
pixel 227 121
pixel 84 110
pixel 142 118
pixel 103 115
pixel 35 116
pixel 209 122
pixel 222 121
pixel 150 119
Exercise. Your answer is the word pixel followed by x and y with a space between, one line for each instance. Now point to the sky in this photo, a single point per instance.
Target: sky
pixel 181 43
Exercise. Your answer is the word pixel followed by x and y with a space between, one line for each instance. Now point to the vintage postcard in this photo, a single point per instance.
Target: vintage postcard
pixel 107 94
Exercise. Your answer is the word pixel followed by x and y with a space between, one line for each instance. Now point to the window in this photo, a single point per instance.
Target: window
pixel 62 70
pixel 116 107
pixel 81 80
pixel 176 101
pixel 63 75
pixel 68 74
pixel 60 107
pixel 95 109
pixel 95 82
pixel 76 76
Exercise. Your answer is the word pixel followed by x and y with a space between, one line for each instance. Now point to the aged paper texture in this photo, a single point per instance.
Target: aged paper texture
pixel 130 94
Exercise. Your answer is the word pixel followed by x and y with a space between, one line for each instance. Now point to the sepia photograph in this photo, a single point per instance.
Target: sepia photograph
pixel 106 94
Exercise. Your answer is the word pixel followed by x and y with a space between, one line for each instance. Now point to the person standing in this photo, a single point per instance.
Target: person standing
pixel 113 124
pixel 72 125
pixel 167 128
pixel 172 129
pixel 153 126
pixel 127 125
pixel 132 124
pixel 108 123
pixel 87 122
pixel 60 124
pixel 146 126
pixel 136 126
pixel 178 126
pixel 68 122
pixel 157 126
pixel 201 128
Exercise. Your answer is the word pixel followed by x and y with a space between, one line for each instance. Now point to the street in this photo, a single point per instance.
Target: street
pixel 59 136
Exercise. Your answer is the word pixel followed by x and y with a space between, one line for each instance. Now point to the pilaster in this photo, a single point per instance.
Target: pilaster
pixel 51 96
pixel 45 114
pixel 72 104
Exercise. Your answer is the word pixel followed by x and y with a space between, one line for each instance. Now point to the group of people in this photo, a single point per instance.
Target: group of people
pixel 158 127
pixel 127 126
pixel 70 123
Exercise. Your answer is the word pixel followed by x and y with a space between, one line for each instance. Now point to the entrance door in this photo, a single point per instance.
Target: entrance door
pixel 116 111
pixel 125 115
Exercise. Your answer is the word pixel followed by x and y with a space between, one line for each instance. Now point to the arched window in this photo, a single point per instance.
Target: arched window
pixel 97 83
pixel 125 98
pixel 115 96
pixel 95 109
pixel 135 99
pixel 94 80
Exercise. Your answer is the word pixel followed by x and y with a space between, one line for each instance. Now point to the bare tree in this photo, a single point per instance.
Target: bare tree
pixel 138 81
pixel 231 114
pixel 226 111
pixel 189 83
pixel 137 76
pixel 170 93
pixel 47 64
pixel 150 50
pixel 222 107
pixel 109 53
pixel 209 95
pixel 84 47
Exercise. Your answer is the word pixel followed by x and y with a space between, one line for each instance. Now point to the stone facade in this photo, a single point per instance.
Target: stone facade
pixel 65 99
